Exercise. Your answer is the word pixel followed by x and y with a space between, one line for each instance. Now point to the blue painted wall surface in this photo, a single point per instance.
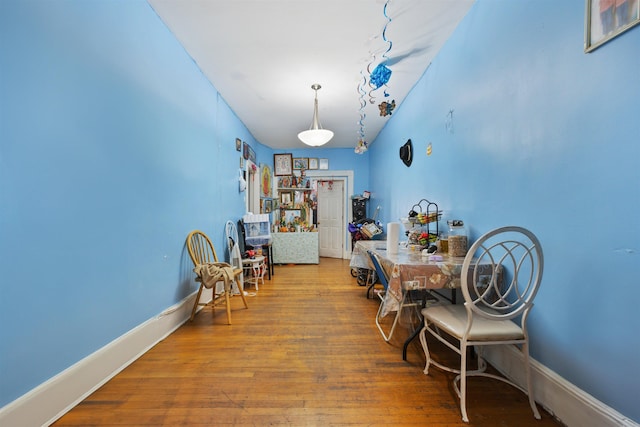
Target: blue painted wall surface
pixel 113 146
pixel 543 136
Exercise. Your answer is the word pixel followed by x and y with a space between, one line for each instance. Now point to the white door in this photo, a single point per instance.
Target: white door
pixel 331 222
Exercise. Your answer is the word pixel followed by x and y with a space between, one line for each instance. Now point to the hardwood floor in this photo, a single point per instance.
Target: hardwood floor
pixel 306 353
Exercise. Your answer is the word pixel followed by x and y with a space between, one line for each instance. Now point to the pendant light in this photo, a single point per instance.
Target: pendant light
pixel 316 136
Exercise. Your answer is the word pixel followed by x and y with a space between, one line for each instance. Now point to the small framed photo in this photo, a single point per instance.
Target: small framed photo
pixel 290 215
pixel 252 154
pixel 245 150
pixel 285 198
pixel 283 164
pixel 323 163
pixel 238 144
pixel 606 19
pixel 300 163
pixel 268 206
pixel 313 163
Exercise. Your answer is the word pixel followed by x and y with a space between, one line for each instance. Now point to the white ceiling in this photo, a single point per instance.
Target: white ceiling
pixel 264 55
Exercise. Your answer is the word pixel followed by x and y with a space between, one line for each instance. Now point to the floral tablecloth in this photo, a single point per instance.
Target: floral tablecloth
pixel 406 266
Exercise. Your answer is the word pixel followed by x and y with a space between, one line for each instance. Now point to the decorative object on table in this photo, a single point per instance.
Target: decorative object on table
pixel 300 163
pixel 393 237
pixel 265 172
pixel 316 135
pixel 323 164
pixel 313 163
pixel 457 240
pixel 606 20
pixel 238 144
pixel 406 153
pixel 421 224
pixel 386 108
pixel 283 164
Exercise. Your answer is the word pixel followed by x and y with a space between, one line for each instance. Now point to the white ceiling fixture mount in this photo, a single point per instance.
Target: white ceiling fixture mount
pixel 316 136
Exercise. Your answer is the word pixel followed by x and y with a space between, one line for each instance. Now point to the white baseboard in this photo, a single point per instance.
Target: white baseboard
pixel 50 400
pixel 568 403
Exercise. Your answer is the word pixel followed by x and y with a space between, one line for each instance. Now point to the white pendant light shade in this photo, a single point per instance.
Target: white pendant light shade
pixel 316 136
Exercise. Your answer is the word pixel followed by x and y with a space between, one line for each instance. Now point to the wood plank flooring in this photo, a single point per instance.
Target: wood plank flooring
pixel 306 353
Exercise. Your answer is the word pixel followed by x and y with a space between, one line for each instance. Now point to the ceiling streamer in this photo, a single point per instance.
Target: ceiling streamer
pixel 378 77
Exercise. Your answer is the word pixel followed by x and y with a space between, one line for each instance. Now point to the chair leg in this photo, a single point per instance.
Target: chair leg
pixel 243 298
pixel 425 348
pixel 527 370
pixel 227 298
pixel 393 326
pixel 463 382
pixel 196 303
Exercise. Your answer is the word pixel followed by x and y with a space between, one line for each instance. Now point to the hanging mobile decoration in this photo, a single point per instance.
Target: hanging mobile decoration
pixel 386 108
pixel 363 104
pixel 381 74
pixel 361 147
pixel 378 77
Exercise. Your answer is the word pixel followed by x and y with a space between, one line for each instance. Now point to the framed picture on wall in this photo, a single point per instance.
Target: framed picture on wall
pixel 323 163
pixel 245 150
pixel 606 19
pixel 300 163
pixel 285 198
pixel 313 163
pixel 283 164
pixel 268 206
pixel 238 144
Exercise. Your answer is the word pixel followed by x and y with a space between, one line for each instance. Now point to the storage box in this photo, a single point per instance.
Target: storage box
pixel 257 229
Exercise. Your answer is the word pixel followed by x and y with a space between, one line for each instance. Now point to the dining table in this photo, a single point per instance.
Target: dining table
pixel 408 266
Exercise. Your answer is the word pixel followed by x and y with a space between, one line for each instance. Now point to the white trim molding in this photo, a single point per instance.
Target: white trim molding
pixel 52 399
pixel 569 404
pixel 344 175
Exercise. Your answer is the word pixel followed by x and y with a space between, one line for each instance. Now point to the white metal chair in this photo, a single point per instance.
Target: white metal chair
pixel 500 277
pixel 253 269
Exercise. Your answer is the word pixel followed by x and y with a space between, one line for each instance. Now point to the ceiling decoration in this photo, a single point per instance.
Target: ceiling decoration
pixel 263 55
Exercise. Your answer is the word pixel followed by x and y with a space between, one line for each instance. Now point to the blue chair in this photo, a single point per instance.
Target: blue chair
pixel 403 303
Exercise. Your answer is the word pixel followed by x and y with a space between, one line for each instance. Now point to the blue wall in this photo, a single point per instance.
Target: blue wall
pixel 113 146
pixel 543 136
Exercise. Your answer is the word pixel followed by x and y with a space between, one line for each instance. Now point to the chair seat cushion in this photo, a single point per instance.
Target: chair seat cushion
pixel 453 320
pixel 258 259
